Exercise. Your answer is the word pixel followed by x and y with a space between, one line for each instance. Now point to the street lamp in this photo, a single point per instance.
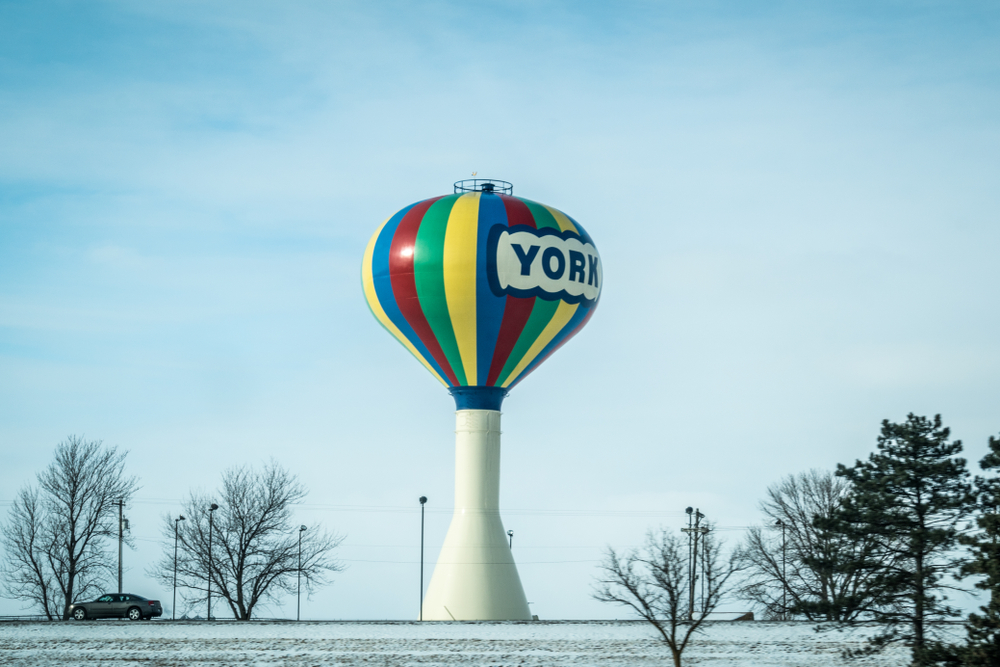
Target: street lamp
pixel 211 509
pixel 423 501
pixel 173 609
pixel 510 534
pixel 298 587
pixel 121 538
pixel 784 578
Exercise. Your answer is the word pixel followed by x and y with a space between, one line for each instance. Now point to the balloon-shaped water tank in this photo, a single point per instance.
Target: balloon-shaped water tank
pixel 481 287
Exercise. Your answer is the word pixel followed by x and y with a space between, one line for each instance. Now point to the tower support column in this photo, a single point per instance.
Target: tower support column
pixel 475 578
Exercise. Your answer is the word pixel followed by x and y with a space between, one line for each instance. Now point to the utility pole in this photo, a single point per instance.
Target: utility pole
pixel 510 534
pixel 704 565
pixel 690 533
pixel 693 533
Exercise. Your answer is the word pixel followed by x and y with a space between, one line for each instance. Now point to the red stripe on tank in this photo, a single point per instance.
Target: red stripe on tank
pixel 515 315
pixel 518 212
pixel 404 285
pixel 516 310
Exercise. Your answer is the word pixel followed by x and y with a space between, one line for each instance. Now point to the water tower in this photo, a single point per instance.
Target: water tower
pixel 481 287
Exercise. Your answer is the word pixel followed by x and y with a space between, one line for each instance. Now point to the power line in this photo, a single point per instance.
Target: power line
pixel 348 545
pixel 400 509
pixel 519 563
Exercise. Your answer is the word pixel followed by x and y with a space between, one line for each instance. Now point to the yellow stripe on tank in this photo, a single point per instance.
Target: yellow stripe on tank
pixel 368 280
pixel 565 224
pixel 460 278
pixel 564 313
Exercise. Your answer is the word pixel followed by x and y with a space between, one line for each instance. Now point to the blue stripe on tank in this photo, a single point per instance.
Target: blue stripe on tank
pixel 489 306
pixel 383 288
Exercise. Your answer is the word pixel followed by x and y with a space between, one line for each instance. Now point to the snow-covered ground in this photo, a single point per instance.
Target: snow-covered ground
pixel 541 644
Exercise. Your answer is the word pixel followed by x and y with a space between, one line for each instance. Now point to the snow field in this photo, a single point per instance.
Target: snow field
pixel 529 644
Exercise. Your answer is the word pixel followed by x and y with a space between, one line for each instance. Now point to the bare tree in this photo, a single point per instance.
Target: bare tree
pixel 24 574
pixel 54 535
pixel 796 567
pixel 653 582
pixel 254 545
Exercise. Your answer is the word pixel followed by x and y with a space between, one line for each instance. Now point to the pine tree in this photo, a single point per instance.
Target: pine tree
pixel 910 495
pixel 796 566
pixel 983 642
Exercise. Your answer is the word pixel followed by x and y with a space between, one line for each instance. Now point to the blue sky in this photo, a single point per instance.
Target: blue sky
pixel 796 206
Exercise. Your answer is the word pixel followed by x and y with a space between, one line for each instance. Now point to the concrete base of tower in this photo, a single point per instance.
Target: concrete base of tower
pixel 475 578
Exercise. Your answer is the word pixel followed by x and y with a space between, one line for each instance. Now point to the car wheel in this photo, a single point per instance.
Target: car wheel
pixel 79 614
pixel 134 614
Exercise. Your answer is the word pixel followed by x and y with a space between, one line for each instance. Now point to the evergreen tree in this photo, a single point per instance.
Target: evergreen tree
pixel 983 643
pixel 796 566
pixel 910 495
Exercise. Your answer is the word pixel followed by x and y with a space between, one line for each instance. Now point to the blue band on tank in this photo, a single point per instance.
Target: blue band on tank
pixel 478 398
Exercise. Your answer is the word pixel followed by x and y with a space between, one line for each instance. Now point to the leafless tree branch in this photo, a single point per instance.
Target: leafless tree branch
pixel 54 535
pixel 813 575
pixel 653 583
pixel 254 544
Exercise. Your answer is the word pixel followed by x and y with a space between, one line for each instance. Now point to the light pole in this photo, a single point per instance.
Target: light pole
pixel 423 501
pixel 121 538
pixel 784 578
pixel 510 534
pixel 211 509
pixel 298 587
pixel 173 608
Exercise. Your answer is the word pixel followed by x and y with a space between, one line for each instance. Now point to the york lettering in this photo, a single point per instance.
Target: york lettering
pixel 553 272
pixel 576 264
pixel 526 258
pixel 526 262
pixel 554 263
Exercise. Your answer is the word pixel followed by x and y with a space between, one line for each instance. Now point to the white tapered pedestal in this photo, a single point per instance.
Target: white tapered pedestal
pixel 475 578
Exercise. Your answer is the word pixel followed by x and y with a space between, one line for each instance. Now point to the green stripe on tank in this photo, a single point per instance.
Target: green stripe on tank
pixel 541 314
pixel 541 215
pixel 428 273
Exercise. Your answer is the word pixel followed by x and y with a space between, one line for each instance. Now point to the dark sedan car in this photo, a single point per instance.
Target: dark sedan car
pixel 117 605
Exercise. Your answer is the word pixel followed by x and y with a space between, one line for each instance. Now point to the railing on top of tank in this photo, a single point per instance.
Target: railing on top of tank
pixel 484 185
